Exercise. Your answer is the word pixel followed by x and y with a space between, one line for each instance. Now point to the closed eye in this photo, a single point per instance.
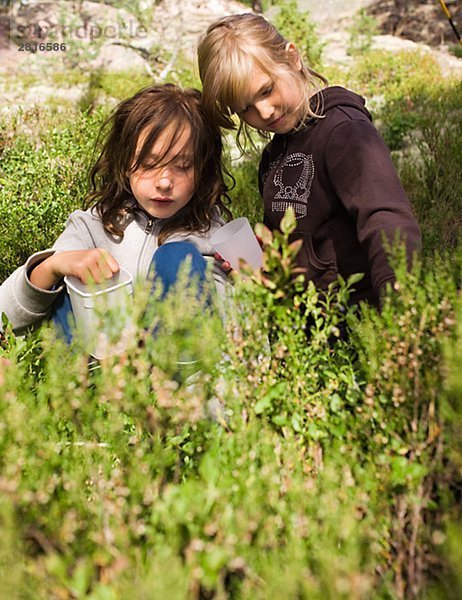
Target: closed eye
pixel 263 93
pixel 184 166
pixel 148 165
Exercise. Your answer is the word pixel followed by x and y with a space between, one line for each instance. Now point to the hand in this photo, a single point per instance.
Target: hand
pixel 90 266
pixel 224 264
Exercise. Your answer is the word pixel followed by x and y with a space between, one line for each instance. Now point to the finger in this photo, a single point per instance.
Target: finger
pixel 92 275
pixel 111 261
pixel 100 266
pixel 226 266
pixel 95 273
pixel 107 263
pixel 105 270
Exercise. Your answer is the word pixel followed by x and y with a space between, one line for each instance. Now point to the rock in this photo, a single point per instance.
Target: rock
pixel 334 50
pixel 64 21
pixel 180 23
pixel 98 35
pixel 112 57
pixel 334 34
pixel 90 32
pixel 333 15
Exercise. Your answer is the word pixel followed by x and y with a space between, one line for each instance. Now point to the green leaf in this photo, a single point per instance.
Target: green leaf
pixel 295 247
pixel 279 420
pixel 352 279
pixel 296 423
pixel 263 404
pixel 335 403
pixel 264 234
pixel 288 222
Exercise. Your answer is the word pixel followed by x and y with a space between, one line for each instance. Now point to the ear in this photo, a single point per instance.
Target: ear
pixel 295 56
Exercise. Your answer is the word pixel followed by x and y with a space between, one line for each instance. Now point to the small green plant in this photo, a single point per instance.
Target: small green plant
pixel 296 26
pixel 43 177
pixel 397 75
pixel 456 49
pixel 361 33
pixel 429 168
pixel 244 193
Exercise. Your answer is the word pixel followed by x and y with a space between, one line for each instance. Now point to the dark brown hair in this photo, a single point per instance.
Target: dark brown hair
pixel 150 112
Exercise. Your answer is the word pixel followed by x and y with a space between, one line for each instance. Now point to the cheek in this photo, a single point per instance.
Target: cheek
pixel 189 182
pixel 248 118
pixel 132 178
pixel 139 179
pixel 137 185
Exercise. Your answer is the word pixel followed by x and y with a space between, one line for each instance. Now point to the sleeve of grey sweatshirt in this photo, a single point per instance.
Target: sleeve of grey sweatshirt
pixel 23 303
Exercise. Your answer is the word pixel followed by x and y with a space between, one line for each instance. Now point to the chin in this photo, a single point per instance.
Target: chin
pixel 164 215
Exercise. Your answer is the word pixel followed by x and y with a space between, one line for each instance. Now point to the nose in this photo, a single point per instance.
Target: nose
pixel 265 110
pixel 164 179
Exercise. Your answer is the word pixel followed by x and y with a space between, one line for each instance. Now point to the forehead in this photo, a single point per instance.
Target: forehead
pixel 171 142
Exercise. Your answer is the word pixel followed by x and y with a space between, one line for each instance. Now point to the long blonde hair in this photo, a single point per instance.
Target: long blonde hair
pixel 228 53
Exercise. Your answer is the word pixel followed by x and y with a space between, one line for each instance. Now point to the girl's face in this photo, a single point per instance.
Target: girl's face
pixel 162 190
pixel 273 102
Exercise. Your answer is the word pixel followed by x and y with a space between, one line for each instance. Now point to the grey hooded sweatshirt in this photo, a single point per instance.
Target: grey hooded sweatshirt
pixel 25 304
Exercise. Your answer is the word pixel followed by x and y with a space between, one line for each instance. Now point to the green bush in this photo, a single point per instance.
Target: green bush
pixel 361 32
pixel 395 75
pixel 244 194
pixel 429 168
pixel 43 177
pixel 323 474
pixel 297 27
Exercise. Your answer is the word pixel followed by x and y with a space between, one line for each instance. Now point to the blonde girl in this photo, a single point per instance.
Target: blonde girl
pixel 325 159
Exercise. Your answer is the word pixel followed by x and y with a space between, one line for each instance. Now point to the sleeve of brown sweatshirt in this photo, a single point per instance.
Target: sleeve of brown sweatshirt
pixel 364 178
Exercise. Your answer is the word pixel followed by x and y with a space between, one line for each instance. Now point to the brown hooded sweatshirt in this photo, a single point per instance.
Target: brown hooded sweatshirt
pixel 337 175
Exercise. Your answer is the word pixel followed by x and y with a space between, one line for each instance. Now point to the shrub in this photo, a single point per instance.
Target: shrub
pixel 324 475
pixel 361 33
pixel 430 168
pixel 296 26
pixel 244 194
pixel 43 178
pixel 395 75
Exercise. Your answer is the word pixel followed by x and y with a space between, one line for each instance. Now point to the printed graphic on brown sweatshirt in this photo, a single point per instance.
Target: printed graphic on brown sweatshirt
pixel 293 179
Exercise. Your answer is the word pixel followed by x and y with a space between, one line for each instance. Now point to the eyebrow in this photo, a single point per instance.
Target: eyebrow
pixel 156 158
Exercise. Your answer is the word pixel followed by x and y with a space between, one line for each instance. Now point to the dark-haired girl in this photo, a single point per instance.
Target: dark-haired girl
pixel 157 197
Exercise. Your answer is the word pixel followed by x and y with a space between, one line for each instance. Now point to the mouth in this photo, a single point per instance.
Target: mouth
pixel 162 200
pixel 276 122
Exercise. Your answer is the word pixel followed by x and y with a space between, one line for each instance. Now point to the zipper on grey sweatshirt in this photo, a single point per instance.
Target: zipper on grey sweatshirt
pixel 149 226
pixel 147 230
